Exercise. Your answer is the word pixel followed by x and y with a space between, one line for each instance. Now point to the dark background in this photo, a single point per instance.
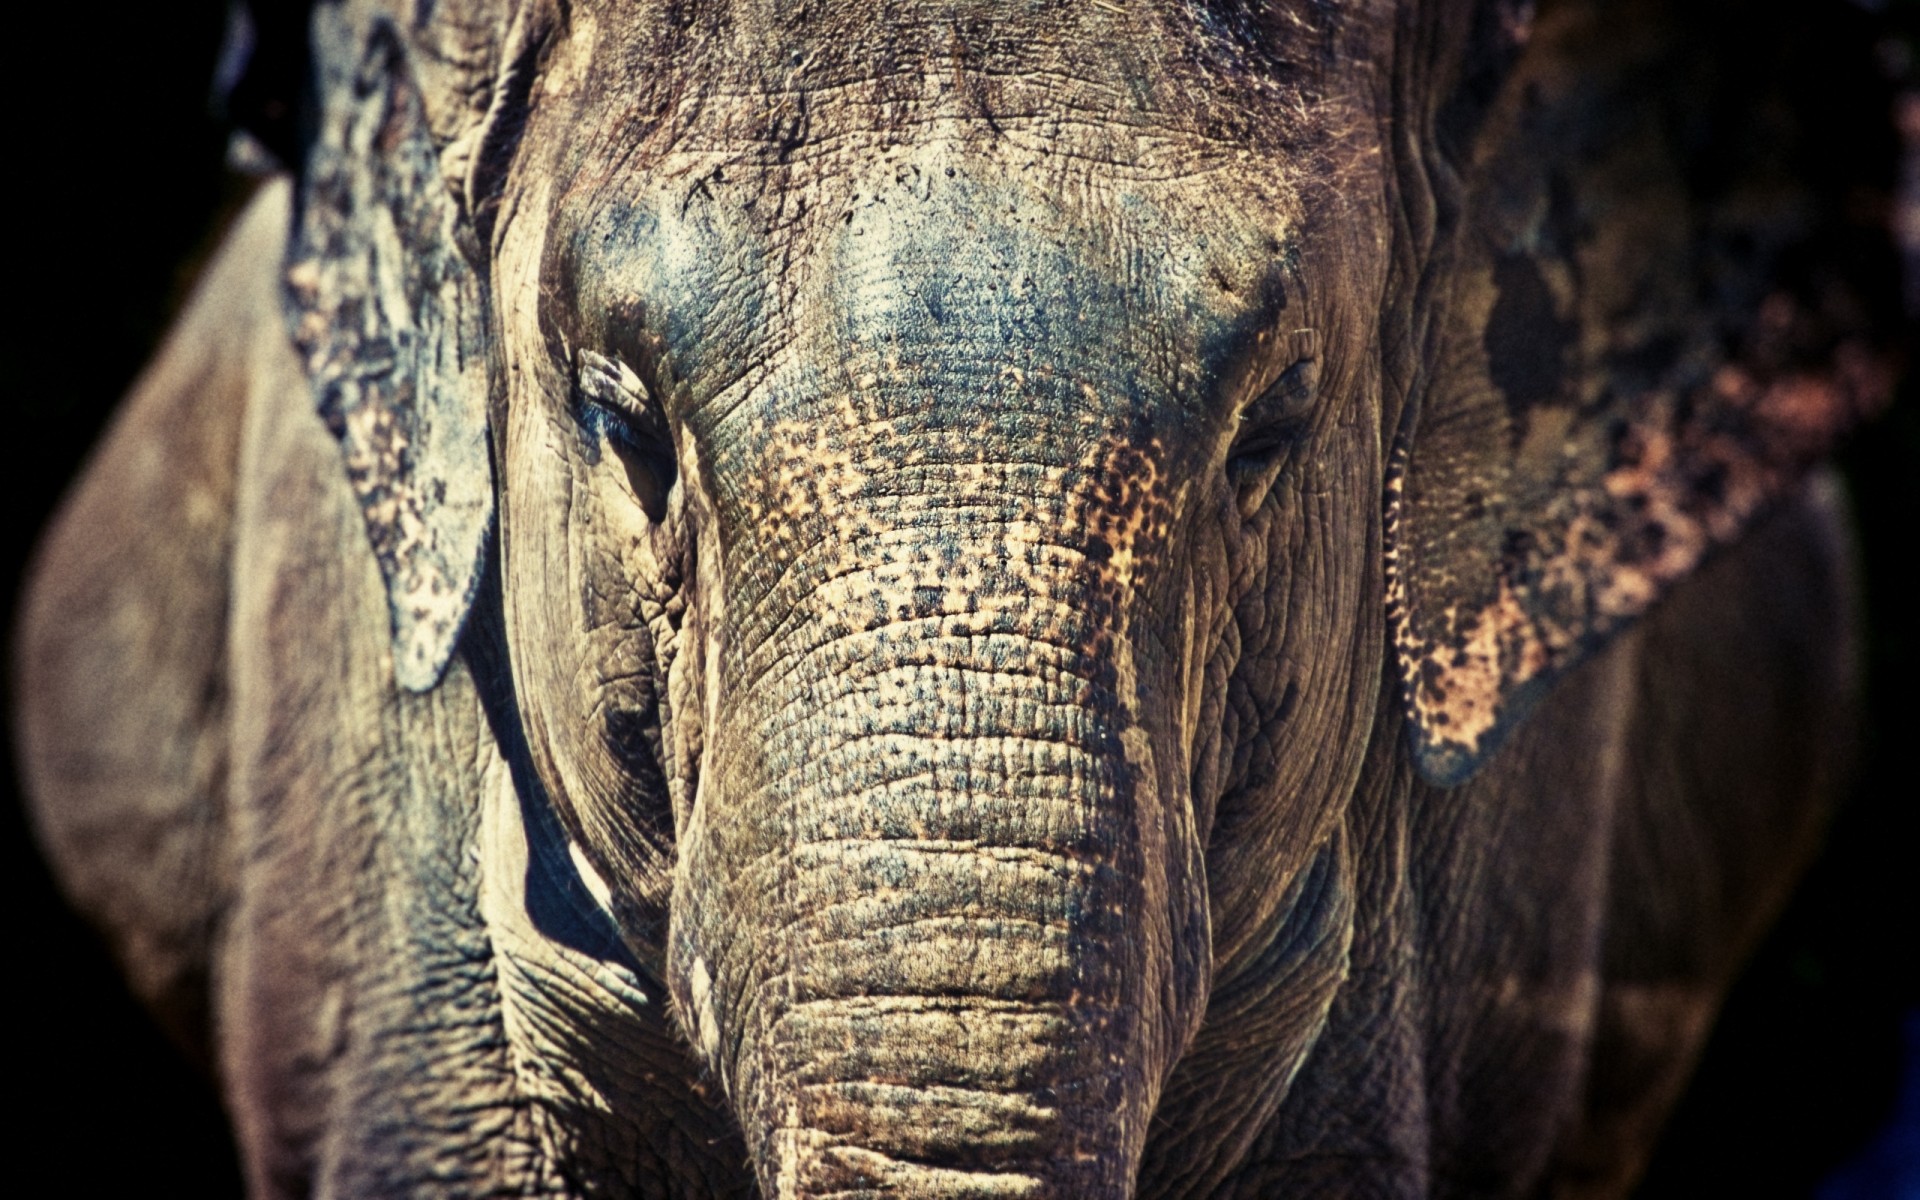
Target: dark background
pixel 116 189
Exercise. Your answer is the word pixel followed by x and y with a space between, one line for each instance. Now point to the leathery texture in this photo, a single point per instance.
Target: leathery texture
pixel 937 923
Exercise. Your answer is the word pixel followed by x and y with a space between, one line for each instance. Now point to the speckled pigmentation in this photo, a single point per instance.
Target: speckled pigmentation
pixel 1166 599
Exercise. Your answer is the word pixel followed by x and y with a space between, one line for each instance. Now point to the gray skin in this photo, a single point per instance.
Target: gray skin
pixel 1045 603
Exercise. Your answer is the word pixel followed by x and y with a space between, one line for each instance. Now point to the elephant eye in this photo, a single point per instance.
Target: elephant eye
pixel 1268 430
pixel 614 406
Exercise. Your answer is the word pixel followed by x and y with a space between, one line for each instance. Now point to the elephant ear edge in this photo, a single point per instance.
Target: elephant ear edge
pixel 389 315
pixel 1648 339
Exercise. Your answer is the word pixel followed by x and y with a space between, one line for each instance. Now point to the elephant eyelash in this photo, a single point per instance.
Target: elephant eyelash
pixel 1268 429
pixel 610 387
pixel 615 405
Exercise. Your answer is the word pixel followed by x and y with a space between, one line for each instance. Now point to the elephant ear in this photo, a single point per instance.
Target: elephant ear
pixel 388 293
pixel 1656 319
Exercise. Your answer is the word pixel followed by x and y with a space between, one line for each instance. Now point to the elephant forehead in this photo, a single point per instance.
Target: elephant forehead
pixel 1079 274
pixel 741 73
pixel 930 266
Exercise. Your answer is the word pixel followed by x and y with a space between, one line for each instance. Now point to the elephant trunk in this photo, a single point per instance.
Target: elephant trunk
pixel 936 922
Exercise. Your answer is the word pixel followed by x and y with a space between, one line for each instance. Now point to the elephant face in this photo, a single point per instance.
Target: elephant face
pixel 908 507
pixel 965 489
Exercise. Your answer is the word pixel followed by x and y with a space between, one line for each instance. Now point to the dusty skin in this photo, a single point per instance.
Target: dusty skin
pixel 949 600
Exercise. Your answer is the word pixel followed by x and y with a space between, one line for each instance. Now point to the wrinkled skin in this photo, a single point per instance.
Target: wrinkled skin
pixel 910 640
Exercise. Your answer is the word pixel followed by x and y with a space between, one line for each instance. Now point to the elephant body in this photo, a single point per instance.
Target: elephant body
pixel 852 742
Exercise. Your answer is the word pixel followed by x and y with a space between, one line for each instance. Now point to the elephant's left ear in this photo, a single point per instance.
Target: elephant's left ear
pixel 389 306
pixel 1665 299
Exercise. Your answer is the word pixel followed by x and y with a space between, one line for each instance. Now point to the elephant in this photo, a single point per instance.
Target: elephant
pixel 1169 598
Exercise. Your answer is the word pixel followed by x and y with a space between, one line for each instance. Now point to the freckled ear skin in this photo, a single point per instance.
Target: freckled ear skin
pixel 1641 347
pixel 389 312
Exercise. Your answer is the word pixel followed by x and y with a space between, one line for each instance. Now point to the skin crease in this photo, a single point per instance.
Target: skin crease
pixel 678 241
pixel 928 722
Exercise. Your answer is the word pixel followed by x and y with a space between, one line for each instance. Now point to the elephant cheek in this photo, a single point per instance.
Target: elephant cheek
pixel 930 925
pixel 582 593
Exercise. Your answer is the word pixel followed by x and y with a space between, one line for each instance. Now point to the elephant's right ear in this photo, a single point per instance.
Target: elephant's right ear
pixel 389 298
pixel 1664 298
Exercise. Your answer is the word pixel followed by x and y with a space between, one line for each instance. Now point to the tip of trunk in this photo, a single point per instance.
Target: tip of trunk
pixel 848 1171
pixel 944 1098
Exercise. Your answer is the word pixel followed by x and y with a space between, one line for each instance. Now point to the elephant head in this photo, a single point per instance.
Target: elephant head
pixel 969 488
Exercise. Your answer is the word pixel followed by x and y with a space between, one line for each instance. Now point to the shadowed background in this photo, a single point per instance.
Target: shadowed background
pixel 119 189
